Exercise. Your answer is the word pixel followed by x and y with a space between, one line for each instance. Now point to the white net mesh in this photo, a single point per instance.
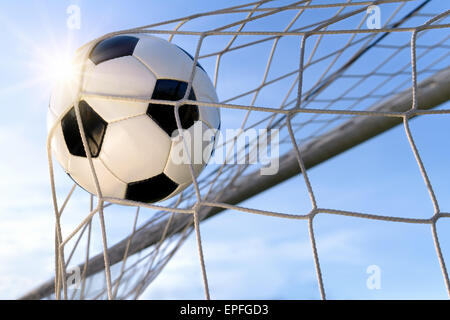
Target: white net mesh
pixel 315 71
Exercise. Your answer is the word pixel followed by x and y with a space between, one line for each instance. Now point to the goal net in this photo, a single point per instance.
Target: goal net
pixel 307 79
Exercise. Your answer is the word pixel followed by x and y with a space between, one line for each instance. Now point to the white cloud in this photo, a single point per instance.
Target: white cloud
pixel 26 252
pixel 250 267
pixel 27 221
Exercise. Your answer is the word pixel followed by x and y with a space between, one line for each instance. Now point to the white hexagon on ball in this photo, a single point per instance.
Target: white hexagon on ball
pixel 130 141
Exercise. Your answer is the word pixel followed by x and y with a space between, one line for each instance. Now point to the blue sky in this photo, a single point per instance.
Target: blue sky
pixel 247 256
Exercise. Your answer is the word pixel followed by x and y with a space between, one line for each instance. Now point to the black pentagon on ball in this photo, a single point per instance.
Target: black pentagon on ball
pixel 190 56
pixel 94 128
pixel 151 190
pixel 164 115
pixel 112 48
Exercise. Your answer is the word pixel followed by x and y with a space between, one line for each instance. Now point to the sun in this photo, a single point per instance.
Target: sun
pixel 60 68
pixel 44 63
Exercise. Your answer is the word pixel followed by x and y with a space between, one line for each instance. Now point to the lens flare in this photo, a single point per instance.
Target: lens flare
pixel 60 68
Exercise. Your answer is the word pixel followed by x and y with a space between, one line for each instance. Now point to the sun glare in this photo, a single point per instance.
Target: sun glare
pixel 60 68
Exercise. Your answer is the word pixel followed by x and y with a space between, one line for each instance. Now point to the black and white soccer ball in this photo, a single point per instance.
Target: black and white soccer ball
pixel 130 141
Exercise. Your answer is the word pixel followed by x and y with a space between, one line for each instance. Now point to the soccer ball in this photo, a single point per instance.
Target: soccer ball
pixel 131 142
